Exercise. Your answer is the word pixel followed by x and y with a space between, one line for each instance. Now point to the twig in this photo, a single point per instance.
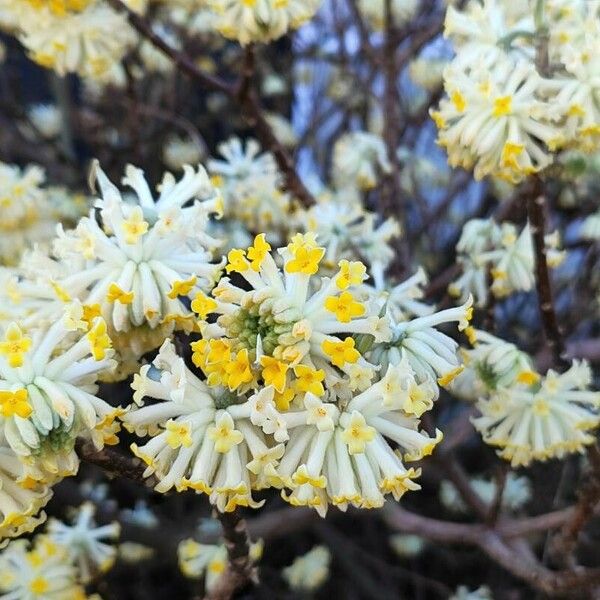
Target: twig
pixel 113 462
pixel 565 541
pixel 535 212
pixel 242 94
pixel 492 542
pixel 240 570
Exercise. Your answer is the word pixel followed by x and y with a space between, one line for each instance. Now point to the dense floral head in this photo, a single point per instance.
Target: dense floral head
pixel 292 327
pixel 48 391
pixel 541 418
pixel 140 260
pixel 260 20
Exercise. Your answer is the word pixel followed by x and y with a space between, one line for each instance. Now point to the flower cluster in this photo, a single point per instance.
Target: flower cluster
pixel 542 418
pixel 487 249
pixel 70 36
pixel 48 392
pixel 402 11
pixel 209 560
pixel 29 212
pixel 308 572
pixel 502 117
pixel 137 259
pixel 516 493
pixel 358 158
pixel 252 187
pixel 260 20
pixel 289 400
pixel 57 564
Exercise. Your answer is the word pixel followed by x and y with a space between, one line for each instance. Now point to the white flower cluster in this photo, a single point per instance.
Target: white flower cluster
pixel 209 560
pixel 29 212
pixel 260 20
pixel 70 36
pixel 502 117
pixel 402 11
pixel 308 572
pixel 56 565
pixel 252 188
pixel 134 260
pixel 358 158
pixel 538 418
pixel 488 249
pixel 515 493
pixel 289 400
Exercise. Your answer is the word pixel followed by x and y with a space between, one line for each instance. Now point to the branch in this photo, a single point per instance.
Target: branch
pixel 565 541
pixel 240 570
pixel 535 212
pixel 113 462
pixel 492 542
pixel 242 94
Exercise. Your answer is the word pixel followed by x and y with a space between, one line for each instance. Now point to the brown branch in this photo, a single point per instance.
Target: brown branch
pixel 247 100
pixel 240 570
pixel 565 541
pixel 493 543
pixel 535 211
pixel 113 462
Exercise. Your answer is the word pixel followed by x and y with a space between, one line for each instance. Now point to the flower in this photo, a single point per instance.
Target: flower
pixel 280 324
pixel 310 571
pixel 47 392
pixel 429 353
pixel 494 122
pixel 181 151
pixel 481 32
pixel 47 119
pixel 83 542
pixel 21 498
pixel 575 90
pixel 202 437
pixel 496 363
pixel 156 61
pixel 337 452
pixel 262 20
pixel 406 545
pixel 374 12
pixel 144 258
pixel 507 255
pixel 462 593
pixel 541 419
pixel 358 157
pixel 210 560
pixel 73 37
pixel 42 571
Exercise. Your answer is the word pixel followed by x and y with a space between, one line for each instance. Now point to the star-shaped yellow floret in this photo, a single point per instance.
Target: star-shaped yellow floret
pixel 223 434
pixel 15 345
pixel 309 380
pixel 134 227
pixel 99 340
pixel 237 261
pixel 202 305
pixel 350 273
pixel 182 287
pixel 357 434
pixel 15 403
pixel 305 261
pixel 257 252
pixel 178 434
pixel 344 307
pixel 238 370
pixel 274 372
pixel 340 352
